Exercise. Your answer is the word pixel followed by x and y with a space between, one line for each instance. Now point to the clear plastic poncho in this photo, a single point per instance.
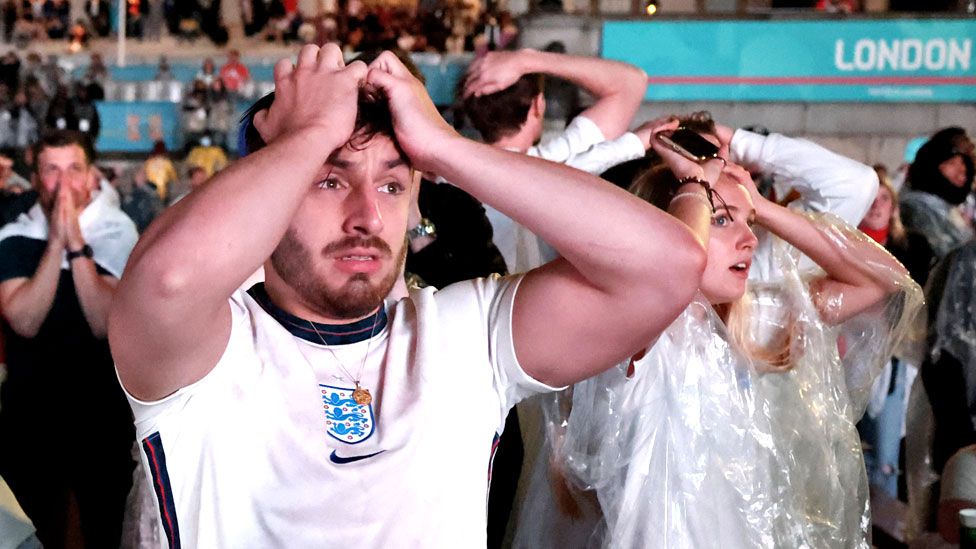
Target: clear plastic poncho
pixel 700 442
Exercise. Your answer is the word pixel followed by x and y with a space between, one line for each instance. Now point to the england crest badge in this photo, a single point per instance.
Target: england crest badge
pixel 345 420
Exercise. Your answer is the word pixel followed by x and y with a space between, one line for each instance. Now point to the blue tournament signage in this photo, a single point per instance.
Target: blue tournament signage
pixel 134 127
pixel 808 61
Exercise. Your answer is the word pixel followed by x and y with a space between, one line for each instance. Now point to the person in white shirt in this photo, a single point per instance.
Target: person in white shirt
pixel 308 412
pixel 503 99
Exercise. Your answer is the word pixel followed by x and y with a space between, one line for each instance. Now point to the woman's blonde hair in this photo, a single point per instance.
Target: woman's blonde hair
pixel 657 186
pixel 896 229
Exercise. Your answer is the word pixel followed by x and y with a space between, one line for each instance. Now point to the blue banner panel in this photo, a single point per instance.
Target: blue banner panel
pixel 807 61
pixel 134 127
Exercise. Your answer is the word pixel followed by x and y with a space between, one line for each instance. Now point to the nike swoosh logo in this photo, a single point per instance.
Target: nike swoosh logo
pixel 335 458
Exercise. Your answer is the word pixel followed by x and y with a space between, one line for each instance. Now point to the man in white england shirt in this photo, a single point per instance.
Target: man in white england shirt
pixel 308 412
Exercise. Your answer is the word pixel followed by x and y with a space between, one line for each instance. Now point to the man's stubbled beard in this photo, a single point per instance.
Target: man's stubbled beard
pixel 357 297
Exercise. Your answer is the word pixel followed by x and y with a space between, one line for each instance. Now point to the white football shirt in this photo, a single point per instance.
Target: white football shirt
pixel 269 450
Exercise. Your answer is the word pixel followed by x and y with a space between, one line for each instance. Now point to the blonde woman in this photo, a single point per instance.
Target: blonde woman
pixel 736 427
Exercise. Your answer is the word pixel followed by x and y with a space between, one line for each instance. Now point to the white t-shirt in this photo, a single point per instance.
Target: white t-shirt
pixel 268 450
pixel 581 145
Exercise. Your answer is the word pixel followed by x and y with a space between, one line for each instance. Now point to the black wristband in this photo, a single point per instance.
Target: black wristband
pixel 85 251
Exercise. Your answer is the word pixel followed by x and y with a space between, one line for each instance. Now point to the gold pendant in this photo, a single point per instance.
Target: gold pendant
pixel 361 396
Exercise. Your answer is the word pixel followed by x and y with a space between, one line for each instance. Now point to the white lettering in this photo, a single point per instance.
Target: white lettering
pixel 961 55
pixel 935 54
pixel 839 57
pixel 907 55
pixel 864 55
pixel 911 54
pixel 888 54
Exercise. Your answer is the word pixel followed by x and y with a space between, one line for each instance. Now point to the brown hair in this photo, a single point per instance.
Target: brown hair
pixel 372 115
pixel 896 229
pixel 699 122
pixel 658 186
pixel 64 138
pixel 502 113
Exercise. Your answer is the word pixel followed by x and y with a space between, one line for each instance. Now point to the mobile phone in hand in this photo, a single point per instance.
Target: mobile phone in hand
pixel 689 144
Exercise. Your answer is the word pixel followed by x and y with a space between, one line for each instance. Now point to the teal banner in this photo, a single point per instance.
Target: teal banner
pixel 804 61
pixel 134 127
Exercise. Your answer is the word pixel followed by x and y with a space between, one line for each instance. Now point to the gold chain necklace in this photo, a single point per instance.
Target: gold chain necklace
pixel 359 394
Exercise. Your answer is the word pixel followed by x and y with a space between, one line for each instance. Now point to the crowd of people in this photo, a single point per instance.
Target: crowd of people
pixel 444 28
pixel 366 307
pixel 38 94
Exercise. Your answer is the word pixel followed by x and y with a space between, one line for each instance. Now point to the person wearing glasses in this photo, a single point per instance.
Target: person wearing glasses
pixel 737 423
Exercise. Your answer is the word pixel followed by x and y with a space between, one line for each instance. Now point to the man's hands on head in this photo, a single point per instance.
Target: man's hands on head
pixel 494 72
pixel 319 93
pixel 420 130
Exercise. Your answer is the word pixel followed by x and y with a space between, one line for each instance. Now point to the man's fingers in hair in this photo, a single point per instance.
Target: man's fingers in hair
pixel 358 70
pixel 475 65
pixel 308 56
pixel 379 78
pixel 330 56
pixel 472 86
pixel 482 87
pixel 387 61
pixel 282 69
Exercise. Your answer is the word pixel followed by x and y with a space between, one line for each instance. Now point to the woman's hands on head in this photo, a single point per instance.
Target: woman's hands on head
pixel 743 178
pixel 682 167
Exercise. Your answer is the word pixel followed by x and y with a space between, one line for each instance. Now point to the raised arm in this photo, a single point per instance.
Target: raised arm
pixel 858 270
pixel 826 181
pixel 171 318
pixel 617 88
pixel 627 268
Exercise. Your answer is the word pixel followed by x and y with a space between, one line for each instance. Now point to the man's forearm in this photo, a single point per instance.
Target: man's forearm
pixel 548 199
pixel 28 305
pixel 94 295
pixel 599 77
pixel 618 88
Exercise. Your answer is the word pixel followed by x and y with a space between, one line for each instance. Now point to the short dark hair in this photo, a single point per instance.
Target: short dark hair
pixel 502 113
pixel 64 138
pixel 372 115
